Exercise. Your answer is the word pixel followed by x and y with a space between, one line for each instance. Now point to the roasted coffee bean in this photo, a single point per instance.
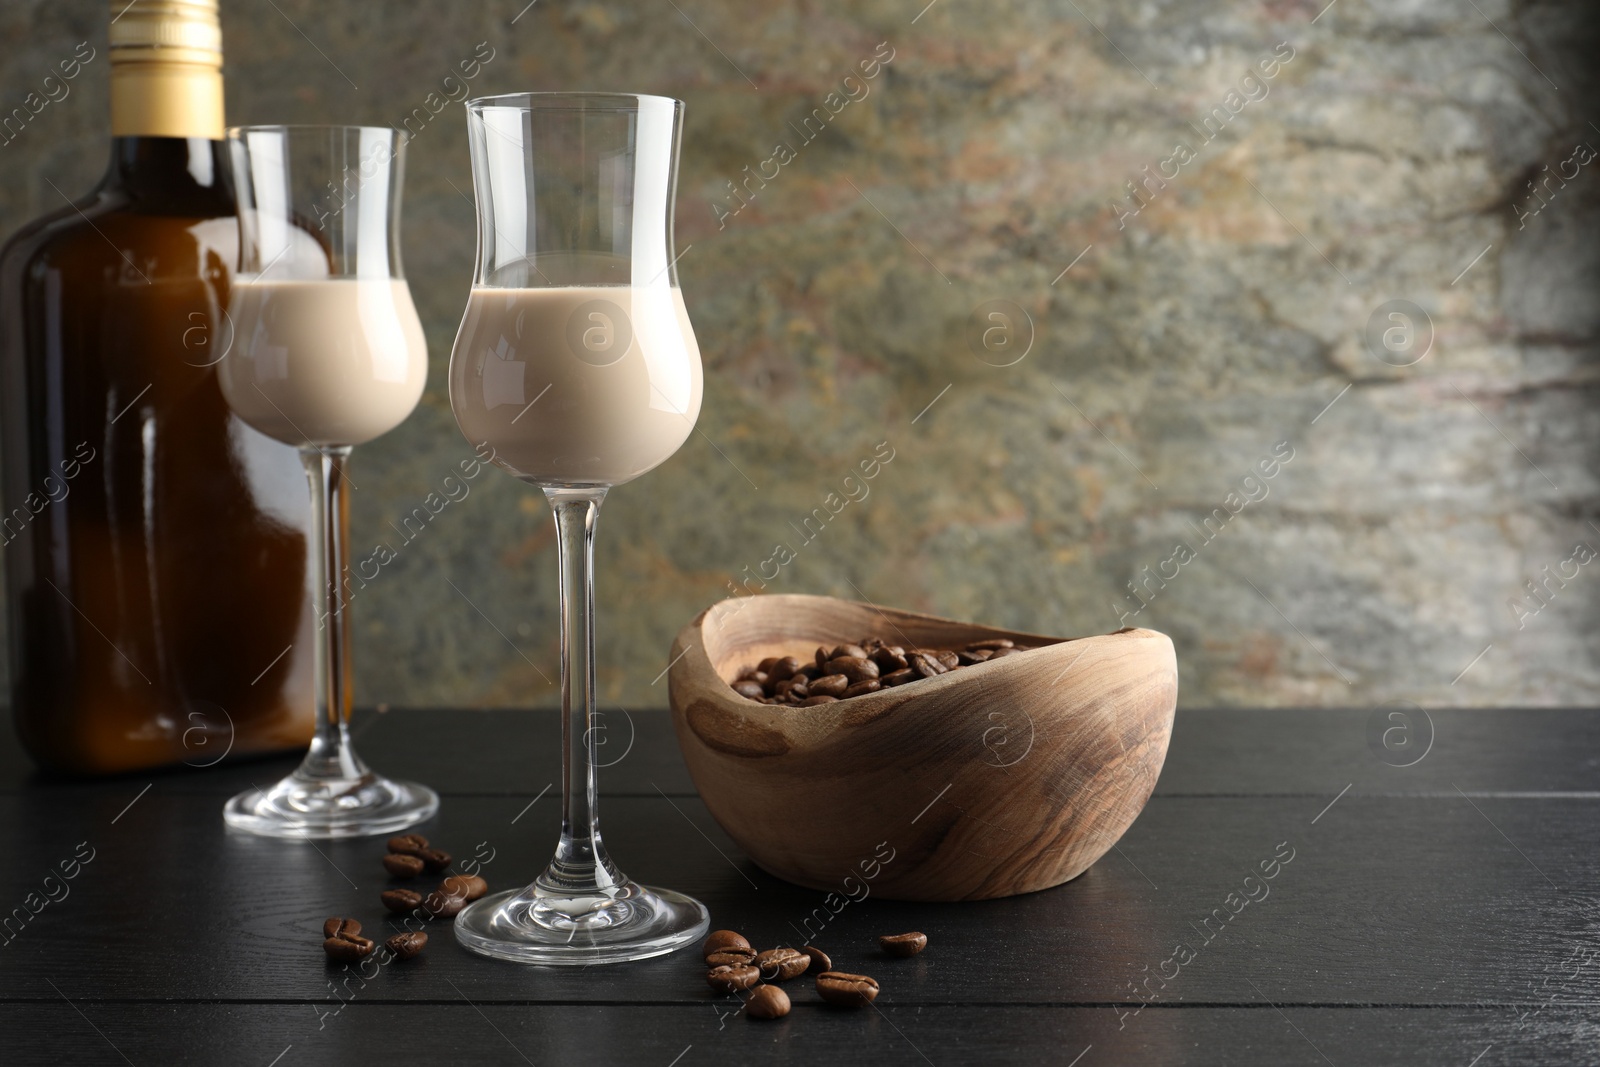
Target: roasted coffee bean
pixel 783 668
pixel 925 665
pixel 903 944
pixel 730 978
pixel 853 667
pixel 453 894
pixel 749 690
pixel 900 677
pixel 409 844
pixel 811 702
pixel 992 643
pixel 810 671
pixel 351 948
pixel 822 657
pixel 731 957
pixel 950 660
pixel 847 990
pixel 871 643
pixel 723 941
pixel 766 665
pixel 829 685
pixel 401 899
pixel 402 866
pixel 871 685
pixel 767 1002
pixel 782 964
pixel 405 946
pixel 340 928
pixel 1005 652
pixel 437 905
pixel 819 959
pixel 889 658
pixel 469 886
pixel 968 659
pixel 434 859
pixel 855 651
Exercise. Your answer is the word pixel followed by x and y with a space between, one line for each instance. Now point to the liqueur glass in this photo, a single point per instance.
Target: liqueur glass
pixel 327 353
pixel 576 364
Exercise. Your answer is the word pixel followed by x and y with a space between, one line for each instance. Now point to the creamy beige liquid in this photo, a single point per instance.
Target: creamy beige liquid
pixel 579 385
pixel 334 361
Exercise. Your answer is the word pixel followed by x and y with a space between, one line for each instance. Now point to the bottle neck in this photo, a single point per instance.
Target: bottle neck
pixel 187 174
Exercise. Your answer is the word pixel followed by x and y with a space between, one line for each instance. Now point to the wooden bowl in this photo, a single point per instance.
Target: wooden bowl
pixel 995 779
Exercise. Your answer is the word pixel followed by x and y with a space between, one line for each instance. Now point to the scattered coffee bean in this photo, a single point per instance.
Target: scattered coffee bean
pixel 468 886
pixel 401 899
pixel 819 959
pixel 409 844
pixel 340 928
pixel 402 866
pixel 846 670
pixel 453 894
pixel 405 946
pixel 348 948
pixel 723 941
pixel 731 957
pixel 782 964
pixel 730 978
pixel 903 944
pixel 847 990
pixel 434 859
pixel 811 702
pixel 767 1002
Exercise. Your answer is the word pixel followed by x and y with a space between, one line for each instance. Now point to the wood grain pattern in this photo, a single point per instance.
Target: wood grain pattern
pixel 1001 778
pixel 1417 924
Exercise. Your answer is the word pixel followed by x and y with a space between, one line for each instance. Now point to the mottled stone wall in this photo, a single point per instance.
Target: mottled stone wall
pixel 985 168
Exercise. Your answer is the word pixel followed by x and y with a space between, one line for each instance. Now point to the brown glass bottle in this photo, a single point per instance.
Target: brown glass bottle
pixel 155 546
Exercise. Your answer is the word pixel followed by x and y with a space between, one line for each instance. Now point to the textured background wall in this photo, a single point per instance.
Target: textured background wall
pixel 1171 349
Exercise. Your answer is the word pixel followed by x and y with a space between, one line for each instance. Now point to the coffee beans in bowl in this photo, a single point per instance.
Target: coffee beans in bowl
pixel 852 670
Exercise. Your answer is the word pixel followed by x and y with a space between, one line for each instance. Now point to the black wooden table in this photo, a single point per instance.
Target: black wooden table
pixel 1439 913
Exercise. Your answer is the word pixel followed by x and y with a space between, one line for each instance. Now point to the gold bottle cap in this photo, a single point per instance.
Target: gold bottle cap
pixel 166 31
pixel 166 68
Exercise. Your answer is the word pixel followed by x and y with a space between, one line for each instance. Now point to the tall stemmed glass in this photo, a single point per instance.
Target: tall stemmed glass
pixel 577 365
pixel 327 354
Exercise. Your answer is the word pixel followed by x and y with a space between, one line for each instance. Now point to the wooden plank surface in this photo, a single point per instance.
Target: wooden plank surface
pixel 1215 752
pixel 897 1035
pixel 1428 912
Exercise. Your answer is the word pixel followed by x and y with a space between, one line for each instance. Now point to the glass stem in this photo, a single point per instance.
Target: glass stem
pixel 331 756
pixel 580 865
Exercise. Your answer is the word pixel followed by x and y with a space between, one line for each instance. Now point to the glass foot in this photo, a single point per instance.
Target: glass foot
pixel 626 922
pixel 303 807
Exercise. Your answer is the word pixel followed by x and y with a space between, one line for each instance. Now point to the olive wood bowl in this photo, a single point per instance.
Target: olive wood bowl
pixel 995 779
